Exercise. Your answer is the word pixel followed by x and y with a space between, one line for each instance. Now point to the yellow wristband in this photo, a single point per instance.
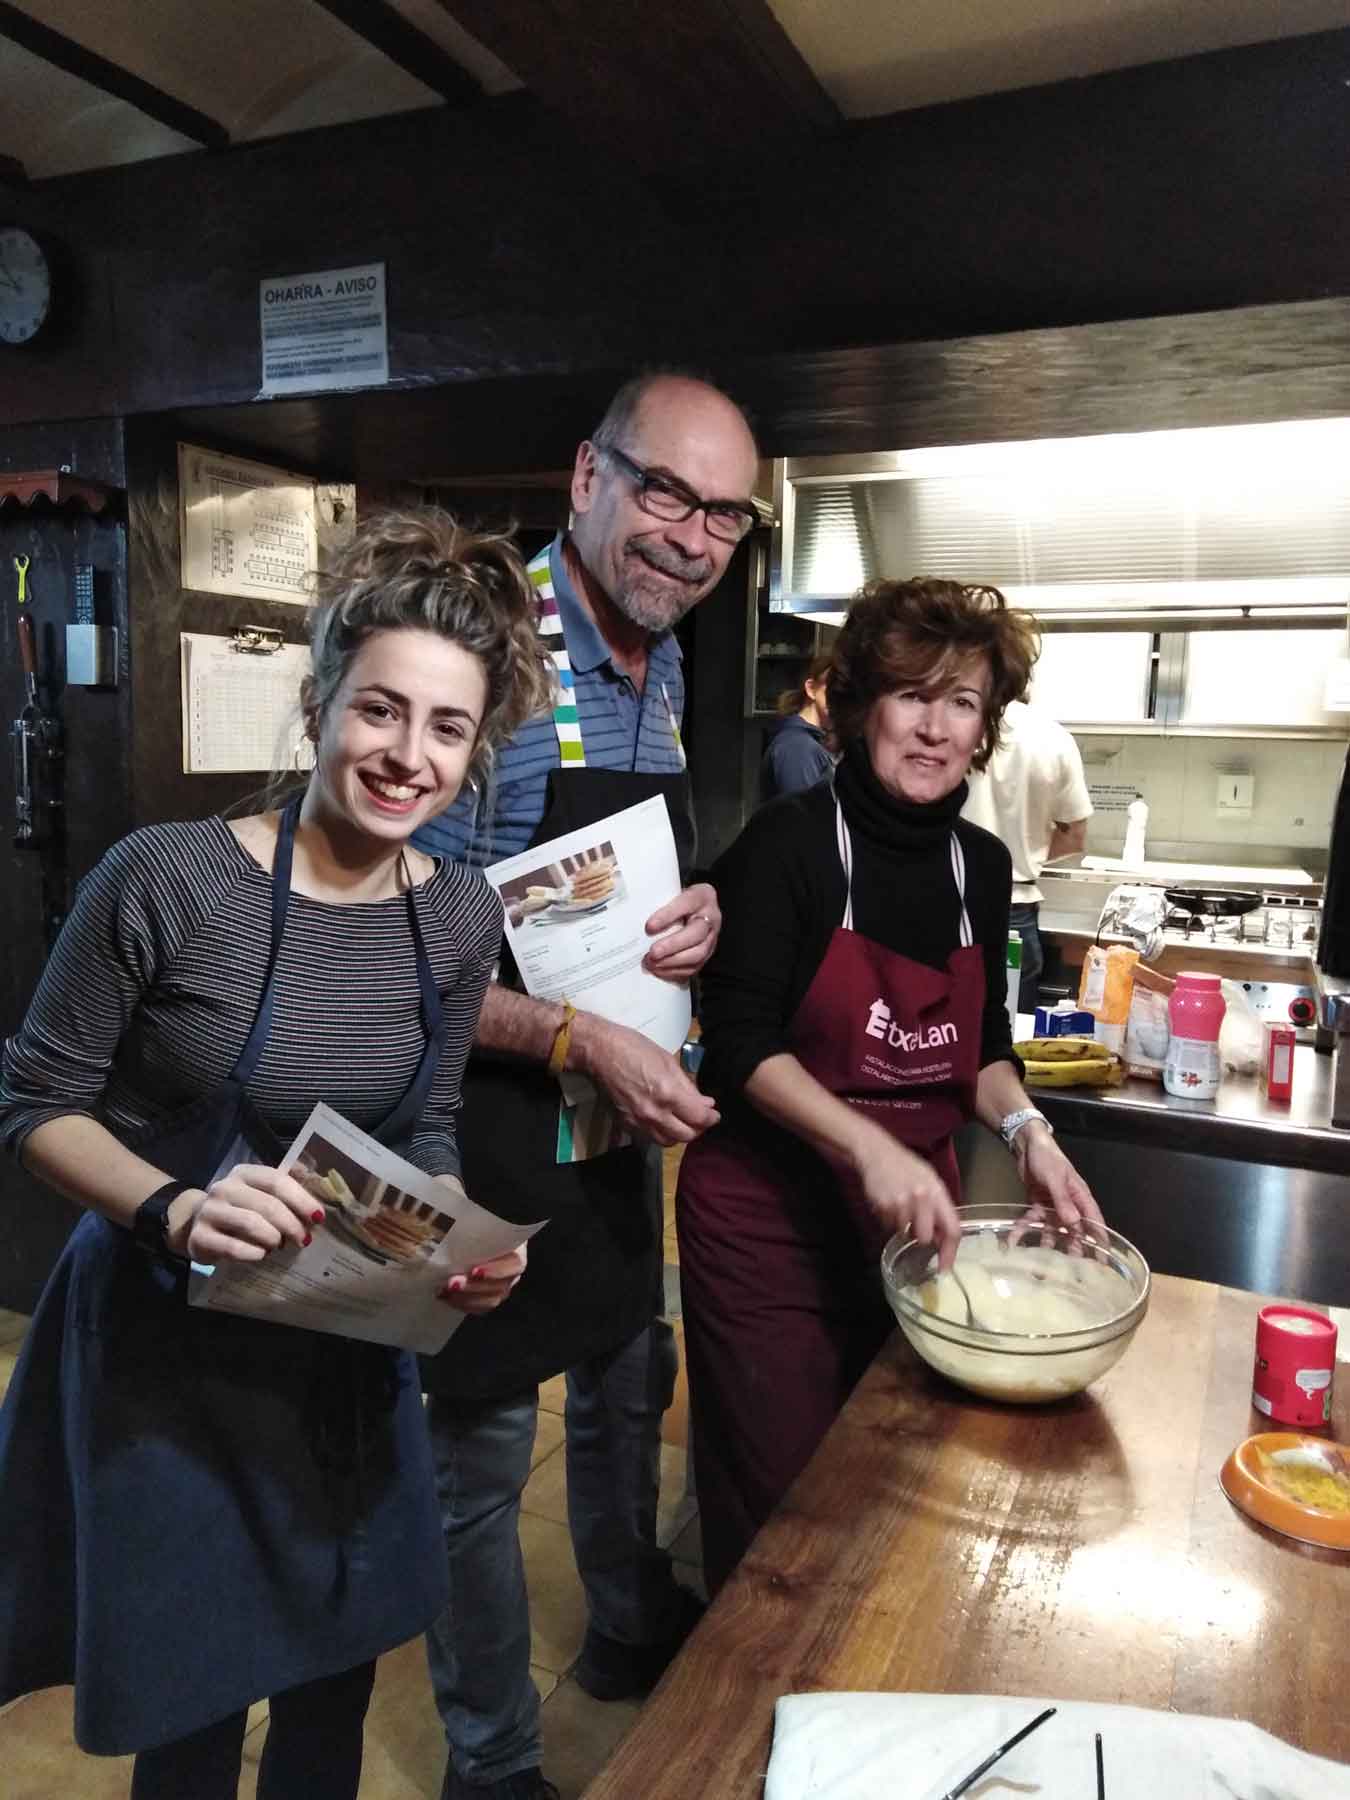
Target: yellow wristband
pixel 562 1040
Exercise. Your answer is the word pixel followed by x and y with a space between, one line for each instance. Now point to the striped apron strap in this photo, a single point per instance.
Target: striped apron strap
pixel 566 723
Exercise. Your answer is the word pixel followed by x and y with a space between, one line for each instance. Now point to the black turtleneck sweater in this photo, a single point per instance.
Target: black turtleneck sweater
pixel 782 893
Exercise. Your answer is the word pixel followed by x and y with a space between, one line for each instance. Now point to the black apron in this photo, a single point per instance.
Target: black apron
pixel 595 1271
pixel 198 1510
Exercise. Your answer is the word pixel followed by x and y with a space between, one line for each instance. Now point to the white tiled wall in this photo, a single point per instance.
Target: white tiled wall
pixel 1294 789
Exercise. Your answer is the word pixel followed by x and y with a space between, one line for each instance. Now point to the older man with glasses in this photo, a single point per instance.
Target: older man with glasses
pixel 661 496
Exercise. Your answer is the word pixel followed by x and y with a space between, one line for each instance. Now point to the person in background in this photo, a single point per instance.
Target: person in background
pixel 200 1510
pixel 1033 796
pixel 661 496
pixel 854 1017
pixel 797 755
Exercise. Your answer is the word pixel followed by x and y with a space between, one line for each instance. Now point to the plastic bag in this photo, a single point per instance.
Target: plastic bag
pixel 1148 1030
pixel 1136 914
pixel 1241 1040
pixel 1105 988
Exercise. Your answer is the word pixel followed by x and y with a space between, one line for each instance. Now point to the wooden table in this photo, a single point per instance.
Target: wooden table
pixel 1083 1550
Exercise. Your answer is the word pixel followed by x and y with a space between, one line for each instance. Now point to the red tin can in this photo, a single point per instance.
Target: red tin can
pixel 1295 1365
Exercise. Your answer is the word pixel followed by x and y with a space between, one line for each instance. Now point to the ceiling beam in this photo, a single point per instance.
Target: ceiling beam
pixel 708 85
pixel 64 53
pixel 418 55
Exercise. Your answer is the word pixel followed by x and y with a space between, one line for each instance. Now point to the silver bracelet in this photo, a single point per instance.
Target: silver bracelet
pixel 1012 1123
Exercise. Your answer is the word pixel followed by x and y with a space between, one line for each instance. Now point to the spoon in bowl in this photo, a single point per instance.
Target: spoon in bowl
pixel 965 1295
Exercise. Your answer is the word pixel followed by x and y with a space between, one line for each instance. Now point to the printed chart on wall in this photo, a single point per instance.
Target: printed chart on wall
pixel 240 708
pixel 246 528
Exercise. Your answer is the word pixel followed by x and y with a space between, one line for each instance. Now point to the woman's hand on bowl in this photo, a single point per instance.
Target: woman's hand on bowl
pixel 245 1215
pixel 488 1284
pixel 906 1194
pixel 1051 1179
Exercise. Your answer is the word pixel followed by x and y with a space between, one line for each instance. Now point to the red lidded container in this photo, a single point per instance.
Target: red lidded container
pixel 1195 1013
pixel 1295 1365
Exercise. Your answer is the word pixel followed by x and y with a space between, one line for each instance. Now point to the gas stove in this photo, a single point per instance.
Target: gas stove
pixel 1281 921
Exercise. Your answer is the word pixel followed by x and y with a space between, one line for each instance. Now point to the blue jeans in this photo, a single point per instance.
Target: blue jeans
pixel 1025 919
pixel 479 1649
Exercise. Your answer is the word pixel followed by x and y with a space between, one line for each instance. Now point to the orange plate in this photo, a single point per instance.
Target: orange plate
pixel 1244 1481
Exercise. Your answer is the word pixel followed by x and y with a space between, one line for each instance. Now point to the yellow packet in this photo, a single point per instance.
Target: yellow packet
pixel 1105 989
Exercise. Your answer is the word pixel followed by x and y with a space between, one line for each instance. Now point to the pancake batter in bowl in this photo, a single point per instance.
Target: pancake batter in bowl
pixel 1034 1294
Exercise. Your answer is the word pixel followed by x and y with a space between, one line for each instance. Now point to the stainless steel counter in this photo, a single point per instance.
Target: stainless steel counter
pixel 1239 1122
pixel 1238 1189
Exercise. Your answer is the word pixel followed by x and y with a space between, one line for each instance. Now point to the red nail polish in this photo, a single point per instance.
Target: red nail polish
pixel 478 1273
pixel 306 1240
pixel 316 1218
pixel 455 1283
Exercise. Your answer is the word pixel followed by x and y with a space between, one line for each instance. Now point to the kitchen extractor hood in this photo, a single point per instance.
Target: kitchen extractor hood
pixel 1223 528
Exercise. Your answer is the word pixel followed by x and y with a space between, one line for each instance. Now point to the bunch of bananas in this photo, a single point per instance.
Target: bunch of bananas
pixel 1069 1062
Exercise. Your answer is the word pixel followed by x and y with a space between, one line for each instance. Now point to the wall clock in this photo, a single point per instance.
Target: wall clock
pixel 25 285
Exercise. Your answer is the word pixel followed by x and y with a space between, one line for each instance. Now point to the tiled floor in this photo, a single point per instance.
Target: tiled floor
pixel 405 1750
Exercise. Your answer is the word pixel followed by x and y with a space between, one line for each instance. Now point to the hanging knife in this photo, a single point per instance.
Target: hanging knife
pixel 37 747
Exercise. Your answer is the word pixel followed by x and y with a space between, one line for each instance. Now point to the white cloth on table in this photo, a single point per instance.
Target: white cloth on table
pixel 860 1746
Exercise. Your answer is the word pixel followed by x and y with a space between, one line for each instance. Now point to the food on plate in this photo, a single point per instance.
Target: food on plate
pixel 594 881
pixel 1315 1478
pixel 330 1188
pixel 401 1234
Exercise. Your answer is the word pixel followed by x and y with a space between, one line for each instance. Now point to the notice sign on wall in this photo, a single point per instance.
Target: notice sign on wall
pixel 325 330
pixel 1112 796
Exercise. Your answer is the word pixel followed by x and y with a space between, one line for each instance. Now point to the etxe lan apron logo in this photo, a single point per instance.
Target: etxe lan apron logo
pixel 880 1024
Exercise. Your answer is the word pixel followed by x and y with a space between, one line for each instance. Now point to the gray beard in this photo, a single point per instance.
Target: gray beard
pixel 651 603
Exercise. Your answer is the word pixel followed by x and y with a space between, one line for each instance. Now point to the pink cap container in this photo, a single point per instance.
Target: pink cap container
pixel 1295 1365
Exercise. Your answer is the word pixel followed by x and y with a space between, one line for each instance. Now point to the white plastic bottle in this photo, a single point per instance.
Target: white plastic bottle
pixel 1136 828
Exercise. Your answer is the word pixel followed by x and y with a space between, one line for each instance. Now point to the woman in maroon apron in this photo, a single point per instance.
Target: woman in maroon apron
pixel 854 1017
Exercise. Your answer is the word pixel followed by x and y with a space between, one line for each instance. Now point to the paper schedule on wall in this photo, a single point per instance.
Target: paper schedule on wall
pixel 246 528
pixel 240 710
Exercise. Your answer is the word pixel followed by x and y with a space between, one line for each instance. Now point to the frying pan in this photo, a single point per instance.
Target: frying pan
pixel 1222 902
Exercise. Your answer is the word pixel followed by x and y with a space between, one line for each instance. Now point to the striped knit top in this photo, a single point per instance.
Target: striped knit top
pixel 171 932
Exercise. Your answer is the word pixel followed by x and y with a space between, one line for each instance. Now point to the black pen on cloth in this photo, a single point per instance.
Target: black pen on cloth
pixel 1101 1777
pixel 1003 1749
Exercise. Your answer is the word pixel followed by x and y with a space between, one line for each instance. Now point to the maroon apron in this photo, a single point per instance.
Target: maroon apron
pixel 780 1290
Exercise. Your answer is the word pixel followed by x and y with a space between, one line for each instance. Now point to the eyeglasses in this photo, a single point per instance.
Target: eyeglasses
pixel 665 498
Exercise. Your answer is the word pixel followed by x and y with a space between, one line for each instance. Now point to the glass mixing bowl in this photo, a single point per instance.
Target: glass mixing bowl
pixel 1053 1310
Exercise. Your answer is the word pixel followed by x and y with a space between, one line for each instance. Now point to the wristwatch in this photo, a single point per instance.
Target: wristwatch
pixel 1012 1123
pixel 150 1226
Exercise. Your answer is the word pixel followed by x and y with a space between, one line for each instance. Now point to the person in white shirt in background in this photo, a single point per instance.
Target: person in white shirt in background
pixel 1034 797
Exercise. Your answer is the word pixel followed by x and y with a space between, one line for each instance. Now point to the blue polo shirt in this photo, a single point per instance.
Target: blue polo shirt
pixel 620 729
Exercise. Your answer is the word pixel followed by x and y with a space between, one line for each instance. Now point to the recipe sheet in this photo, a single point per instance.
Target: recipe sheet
pixel 576 913
pixel 392 1236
